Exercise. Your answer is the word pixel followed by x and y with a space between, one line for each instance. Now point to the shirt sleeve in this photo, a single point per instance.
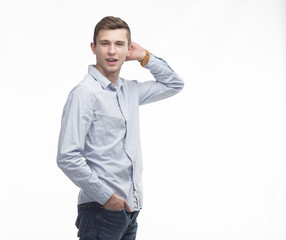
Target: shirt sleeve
pixel 167 83
pixel 76 121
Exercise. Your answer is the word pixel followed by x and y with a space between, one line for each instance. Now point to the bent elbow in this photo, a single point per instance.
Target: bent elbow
pixel 179 85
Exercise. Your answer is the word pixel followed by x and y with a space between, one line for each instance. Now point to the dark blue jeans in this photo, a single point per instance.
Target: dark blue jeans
pixel 97 223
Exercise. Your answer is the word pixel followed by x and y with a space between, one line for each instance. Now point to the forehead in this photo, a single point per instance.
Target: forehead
pixel 112 35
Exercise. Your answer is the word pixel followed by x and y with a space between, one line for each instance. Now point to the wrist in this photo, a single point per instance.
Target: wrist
pixel 145 59
pixel 142 55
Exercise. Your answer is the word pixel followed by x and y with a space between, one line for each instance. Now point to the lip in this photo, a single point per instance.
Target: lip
pixel 111 61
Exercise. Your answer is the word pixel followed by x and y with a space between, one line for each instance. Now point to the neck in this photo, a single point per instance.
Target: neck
pixel 111 76
pixel 112 79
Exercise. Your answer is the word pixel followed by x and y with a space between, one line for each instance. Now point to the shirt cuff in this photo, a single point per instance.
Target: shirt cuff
pixel 104 195
pixel 156 63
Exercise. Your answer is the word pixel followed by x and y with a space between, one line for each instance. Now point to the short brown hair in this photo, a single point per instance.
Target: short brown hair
pixel 110 22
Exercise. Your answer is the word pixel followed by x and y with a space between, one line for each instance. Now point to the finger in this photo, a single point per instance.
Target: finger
pixel 126 206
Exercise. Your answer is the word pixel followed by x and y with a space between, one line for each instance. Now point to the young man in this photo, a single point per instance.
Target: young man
pixel 99 144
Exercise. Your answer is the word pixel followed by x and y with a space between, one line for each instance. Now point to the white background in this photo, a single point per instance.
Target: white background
pixel 214 155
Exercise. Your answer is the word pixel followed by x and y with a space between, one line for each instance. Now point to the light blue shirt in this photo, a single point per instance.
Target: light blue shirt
pixel 99 144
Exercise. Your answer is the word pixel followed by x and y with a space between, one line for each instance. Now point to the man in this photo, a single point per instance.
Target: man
pixel 99 144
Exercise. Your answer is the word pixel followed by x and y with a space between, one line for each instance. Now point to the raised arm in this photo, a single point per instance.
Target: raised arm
pixel 167 83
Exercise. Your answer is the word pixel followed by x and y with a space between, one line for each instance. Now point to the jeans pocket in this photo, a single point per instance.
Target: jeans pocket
pixel 115 219
pixel 113 211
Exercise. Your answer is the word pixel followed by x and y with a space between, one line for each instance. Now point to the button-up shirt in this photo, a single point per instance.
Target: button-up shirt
pixel 99 144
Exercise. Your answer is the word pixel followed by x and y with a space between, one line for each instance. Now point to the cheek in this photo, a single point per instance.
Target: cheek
pixel 124 53
pixel 100 54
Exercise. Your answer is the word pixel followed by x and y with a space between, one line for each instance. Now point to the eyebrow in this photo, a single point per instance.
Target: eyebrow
pixel 118 41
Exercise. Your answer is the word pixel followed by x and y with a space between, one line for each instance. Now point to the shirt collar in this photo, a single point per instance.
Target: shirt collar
pixel 104 82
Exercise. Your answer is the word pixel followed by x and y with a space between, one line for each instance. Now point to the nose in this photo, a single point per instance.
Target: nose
pixel 111 49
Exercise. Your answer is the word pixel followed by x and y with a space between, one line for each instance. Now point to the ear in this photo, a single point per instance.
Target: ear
pixel 129 50
pixel 92 46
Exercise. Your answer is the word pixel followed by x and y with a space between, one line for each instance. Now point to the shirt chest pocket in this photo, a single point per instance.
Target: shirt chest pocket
pixel 109 124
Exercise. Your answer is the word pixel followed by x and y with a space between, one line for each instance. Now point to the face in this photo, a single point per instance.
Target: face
pixel 111 50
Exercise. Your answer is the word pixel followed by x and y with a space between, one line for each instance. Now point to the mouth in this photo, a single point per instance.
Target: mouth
pixel 111 61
